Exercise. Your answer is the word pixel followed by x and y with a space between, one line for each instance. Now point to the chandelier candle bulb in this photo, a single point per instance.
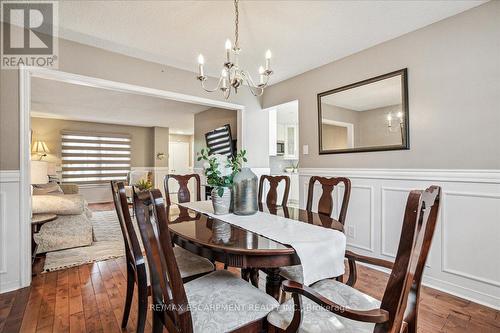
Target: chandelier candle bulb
pixel 224 79
pixel 261 74
pixel 268 59
pixel 201 61
pixel 228 50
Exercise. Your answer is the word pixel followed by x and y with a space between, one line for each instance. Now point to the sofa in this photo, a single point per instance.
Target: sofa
pixel 72 228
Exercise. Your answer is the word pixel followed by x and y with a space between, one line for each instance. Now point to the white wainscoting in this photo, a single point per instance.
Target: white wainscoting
pixel 10 251
pixel 465 256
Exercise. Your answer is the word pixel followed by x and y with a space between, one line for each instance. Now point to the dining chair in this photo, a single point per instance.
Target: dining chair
pixel 331 306
pixel 191 266
pixel 183 194
pixel 216 302
pixel 136 266
pixel 272 195
pixel 325 208
pixel 325 203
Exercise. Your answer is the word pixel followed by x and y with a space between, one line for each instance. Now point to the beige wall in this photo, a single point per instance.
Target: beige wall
pixel 49 130
pixel 372 129
pixel 453 82
pixel 161 140
pixel 90 61
pixel 209 120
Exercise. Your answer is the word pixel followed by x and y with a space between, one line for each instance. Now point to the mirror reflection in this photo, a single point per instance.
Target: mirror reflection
pixel 365 116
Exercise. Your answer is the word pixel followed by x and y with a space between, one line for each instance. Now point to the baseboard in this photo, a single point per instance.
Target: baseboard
pixel 450 288
pixel 9 286
pixel 462 292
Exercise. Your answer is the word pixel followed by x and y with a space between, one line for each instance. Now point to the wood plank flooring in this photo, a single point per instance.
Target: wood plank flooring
pixel 90 298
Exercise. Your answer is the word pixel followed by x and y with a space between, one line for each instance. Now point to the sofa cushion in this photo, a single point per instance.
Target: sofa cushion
pixel 63 204
pixel 67 231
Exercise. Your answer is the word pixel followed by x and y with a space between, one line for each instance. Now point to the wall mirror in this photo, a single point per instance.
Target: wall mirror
pixel 371 115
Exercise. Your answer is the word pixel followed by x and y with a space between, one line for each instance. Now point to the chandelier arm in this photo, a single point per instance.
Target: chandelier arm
pixel 208 89
pixel 254 89
pixel 249 79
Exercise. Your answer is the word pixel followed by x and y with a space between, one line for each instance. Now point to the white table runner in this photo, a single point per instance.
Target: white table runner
pixel 321 250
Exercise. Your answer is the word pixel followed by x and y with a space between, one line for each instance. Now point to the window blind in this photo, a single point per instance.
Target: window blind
pixel 93 158
pixel 219 141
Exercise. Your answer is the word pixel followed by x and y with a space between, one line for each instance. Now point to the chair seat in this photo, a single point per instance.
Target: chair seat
pixel 189 264
pixel 318 320
pixel 222 302
pixel 292 273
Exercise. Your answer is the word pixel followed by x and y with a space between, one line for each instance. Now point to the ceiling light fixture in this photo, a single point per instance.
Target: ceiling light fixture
pixel 232 76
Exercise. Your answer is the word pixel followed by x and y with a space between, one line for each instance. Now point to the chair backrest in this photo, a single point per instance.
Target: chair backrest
pixel 403 287
pixel 133 253
pixel 272 195
pixel 169 296
pixel 183 194
pixel 325 204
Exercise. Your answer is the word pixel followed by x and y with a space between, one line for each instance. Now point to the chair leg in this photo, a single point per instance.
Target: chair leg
pixel 157 324
pixel 142 308
pixel 353 275
pixel 128 297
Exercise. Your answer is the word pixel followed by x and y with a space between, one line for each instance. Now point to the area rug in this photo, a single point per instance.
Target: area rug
pixel 108 243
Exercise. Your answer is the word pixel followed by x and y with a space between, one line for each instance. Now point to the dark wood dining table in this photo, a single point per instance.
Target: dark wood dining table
pixel 220 241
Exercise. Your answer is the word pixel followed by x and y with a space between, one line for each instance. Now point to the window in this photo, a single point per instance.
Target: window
pixel 92 158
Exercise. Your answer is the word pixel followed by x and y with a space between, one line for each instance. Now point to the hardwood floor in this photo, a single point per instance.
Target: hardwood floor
pixel 90 298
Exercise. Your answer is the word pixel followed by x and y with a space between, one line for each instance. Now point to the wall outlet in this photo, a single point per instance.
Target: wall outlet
pixel 305 149
pixel 351 231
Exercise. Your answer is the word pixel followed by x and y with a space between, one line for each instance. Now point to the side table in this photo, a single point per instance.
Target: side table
pixel 37 220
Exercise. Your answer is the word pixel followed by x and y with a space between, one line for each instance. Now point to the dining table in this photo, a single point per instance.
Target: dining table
pixel 235 246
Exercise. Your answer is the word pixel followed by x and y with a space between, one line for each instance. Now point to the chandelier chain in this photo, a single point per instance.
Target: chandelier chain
pixel 236 23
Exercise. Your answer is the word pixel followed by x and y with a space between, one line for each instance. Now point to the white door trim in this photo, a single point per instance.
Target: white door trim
pixel 25 75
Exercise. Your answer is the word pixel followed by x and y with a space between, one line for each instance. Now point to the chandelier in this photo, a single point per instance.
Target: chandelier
pixel 232 75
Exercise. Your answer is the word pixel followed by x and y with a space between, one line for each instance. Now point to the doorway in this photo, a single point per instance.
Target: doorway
pixel 284 145
pixel 25 76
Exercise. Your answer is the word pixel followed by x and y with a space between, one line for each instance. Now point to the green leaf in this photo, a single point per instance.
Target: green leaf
pixel 220 191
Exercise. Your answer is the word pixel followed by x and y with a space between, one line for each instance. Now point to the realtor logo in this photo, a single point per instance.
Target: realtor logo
pixel 28 34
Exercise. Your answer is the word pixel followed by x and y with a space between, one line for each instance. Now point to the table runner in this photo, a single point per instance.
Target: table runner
pixel 321 250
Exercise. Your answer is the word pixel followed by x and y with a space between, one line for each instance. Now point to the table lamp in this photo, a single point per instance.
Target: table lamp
pixel 40 148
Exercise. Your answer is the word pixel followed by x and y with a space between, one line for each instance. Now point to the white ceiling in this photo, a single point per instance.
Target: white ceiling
pixel 369 96
pixel 54 99
pixel 301 34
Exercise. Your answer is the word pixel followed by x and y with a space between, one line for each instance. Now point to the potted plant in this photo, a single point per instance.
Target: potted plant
pixel 220 171
pixel 144 185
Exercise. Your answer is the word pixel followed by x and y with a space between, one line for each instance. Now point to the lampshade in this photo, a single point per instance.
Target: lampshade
pixel 39 172
pixel 40 147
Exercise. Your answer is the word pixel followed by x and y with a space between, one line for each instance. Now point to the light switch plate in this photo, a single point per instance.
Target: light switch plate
pixel 305 149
